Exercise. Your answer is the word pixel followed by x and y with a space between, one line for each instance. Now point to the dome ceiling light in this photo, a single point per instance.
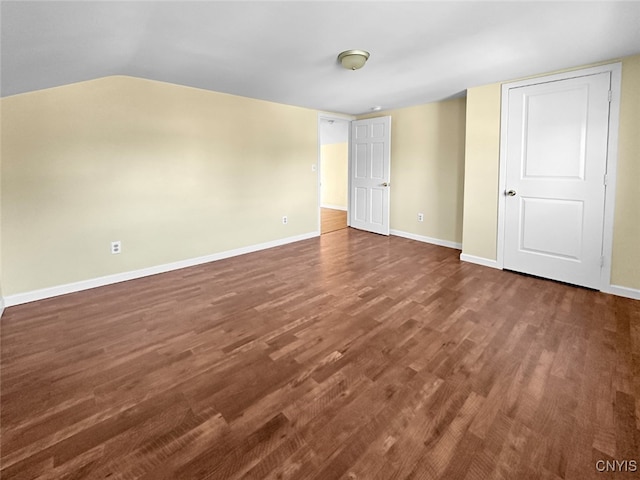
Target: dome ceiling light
pixel 353 59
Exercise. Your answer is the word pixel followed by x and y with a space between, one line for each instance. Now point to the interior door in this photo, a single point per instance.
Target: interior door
pixel 556 162
pixel 370 174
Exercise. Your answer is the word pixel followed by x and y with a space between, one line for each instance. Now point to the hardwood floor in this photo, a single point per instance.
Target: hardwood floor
pixel 332 220
pixel 349 356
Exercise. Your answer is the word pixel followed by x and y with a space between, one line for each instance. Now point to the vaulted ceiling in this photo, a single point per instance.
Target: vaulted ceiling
pixel 285 51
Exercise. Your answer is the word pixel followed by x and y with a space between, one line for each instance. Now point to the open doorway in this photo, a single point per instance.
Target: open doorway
pixel 334 173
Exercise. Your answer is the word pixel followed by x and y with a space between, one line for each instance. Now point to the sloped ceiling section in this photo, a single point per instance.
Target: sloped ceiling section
pixel 286 51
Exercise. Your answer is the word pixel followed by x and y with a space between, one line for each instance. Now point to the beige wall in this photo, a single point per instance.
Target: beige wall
pixel 625 269
pixel 172 172
pixel 481 176
pixel 334 160
pixel 482 155
pixel 427 168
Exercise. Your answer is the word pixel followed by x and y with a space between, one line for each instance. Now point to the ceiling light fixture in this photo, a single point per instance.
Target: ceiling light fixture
pixel 353 59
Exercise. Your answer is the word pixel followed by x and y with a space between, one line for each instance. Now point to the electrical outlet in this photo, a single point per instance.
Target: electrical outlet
pixel 285 220
pixel 313 167
pixel 116 247
pixel 421 217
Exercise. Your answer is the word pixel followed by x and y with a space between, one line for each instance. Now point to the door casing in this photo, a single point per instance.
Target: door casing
pixel 611 169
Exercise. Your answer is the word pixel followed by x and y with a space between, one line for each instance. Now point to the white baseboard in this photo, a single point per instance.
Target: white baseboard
pixel 1 306
pixel 422 238
pixel 34 295
pixel 612 289
pixel 334 207
pixel 623 291
pixel 49 292
pixel 486 262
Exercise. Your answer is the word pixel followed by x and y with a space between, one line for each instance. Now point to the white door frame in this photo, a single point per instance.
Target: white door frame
pixel 612 159
pixel 333 116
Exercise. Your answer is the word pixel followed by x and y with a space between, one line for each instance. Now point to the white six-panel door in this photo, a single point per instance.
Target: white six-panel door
pixel 556 157
pixel 370 174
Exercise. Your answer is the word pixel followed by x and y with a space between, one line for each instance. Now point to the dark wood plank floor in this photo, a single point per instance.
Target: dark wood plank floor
pixel 332 220
pixel 350 356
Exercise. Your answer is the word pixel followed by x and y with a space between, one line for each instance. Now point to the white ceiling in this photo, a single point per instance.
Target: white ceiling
pixel 286 51
pixel 334 131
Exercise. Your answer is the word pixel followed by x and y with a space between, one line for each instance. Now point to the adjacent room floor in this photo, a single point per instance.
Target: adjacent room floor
pixel 332 220
pixel 348 356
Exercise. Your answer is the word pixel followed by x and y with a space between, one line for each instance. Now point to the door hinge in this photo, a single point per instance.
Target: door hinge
pixel 605 180
pixel 610 95
pixel 602 261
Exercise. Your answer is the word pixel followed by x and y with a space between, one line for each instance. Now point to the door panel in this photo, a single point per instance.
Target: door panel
pixel 565 240
pixel 361 132
pixel 377 206
pixel 556 161
pixel 360 207
pixel 377 161
pixel 361 161
pixel 378 130
pixel 556 144
pixel 371 152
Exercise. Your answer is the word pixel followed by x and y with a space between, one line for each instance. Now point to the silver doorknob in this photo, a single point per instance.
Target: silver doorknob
pixel 386 184
pixel 511 193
